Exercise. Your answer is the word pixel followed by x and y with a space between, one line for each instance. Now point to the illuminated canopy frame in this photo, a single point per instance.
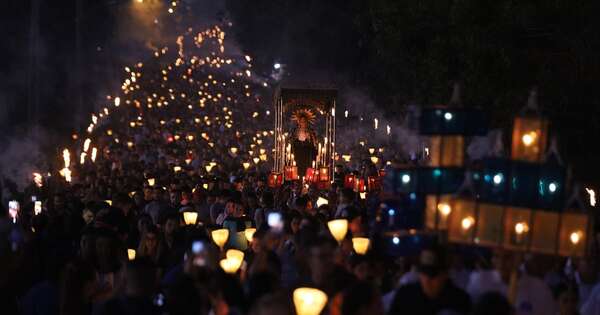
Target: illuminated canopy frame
pixel 321 102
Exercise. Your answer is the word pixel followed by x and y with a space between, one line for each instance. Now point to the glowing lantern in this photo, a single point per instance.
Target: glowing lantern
pixel 374 159
pixel 249 234
pixel 246 165
pixel 338 228
pixel 467 223
pixel 291 172
pixel 349 180
pixel 275 180
pixel 190 138
pixel 446 151
pixel 371 150
pixel 220 237
pixel 324 174
pixel 151 181
pixel 575 237
pixel 346 157
pixel 529 138
pixel 309 301
pixel 233 150
pixel 37 207
pixel 373 183
pixel 229 265
pixel 256 160
pixel 572 235
pixel 310 175
pixel 190 217
pixel 131 254
pixel 360 245
pixel 177 169
pixel 322 201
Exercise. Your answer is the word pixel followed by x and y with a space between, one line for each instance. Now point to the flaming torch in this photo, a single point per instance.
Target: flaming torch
pixel 37 179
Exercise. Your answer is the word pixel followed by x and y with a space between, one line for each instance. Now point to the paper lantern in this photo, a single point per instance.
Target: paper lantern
pixel 338 228
pixel 461 223
pixel 573 233
pixel 437 211
pixel 374 183
pixel 275 180
pixel 249 234
pixel 229 265
pixel 246 165
pixel 309 301
pixel 220 237
pixel 517 228
pixel 490 230
pixel 349 180
pixel 360 245
pixel 131 254
pixel 190 217
pixel 291 172
pixel 529 138
pixel 544 236
pixel 324 174
pixel 446 151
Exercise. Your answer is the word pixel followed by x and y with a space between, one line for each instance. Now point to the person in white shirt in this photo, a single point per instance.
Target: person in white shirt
pixel 485 279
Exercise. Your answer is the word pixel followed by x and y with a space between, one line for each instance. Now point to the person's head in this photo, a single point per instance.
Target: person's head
pixel 175 197
pixel 105 245
pixel 433 270
pixel 140 278
pixel 149 242
pixel 88 215
pixel 171 224
pixel 320 257
pixel 144 223
pixel 149 193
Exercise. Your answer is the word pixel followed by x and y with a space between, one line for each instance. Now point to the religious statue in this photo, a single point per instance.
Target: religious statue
pixel 304 139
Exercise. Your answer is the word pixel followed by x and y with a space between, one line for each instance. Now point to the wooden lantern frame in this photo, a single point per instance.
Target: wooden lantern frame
pixel 322 102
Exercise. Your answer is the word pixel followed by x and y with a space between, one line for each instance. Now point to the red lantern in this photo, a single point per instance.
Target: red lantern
pixel 360 185
pixel 291 173
pixel 349 180
pixel 324 174
pixel 310 175
pixel 374 183
pixel 275 180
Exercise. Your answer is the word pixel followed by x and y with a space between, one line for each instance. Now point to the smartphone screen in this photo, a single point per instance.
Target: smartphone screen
pixel 199 253
pixel 13 209
pixel 275 221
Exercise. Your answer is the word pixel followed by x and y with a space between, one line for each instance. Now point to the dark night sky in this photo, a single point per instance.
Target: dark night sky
pixel 398 52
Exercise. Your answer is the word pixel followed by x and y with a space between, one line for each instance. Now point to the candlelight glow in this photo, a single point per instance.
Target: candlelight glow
pixel 309 301
pixel 592 195
pixel 249 233
pixel 529 138
pixel 131 254
pixel 220 237
pixel 521 227
pixel 322 201
pixel 86 144
pixel 190 217
pixel 346 157
pixel 360 245
pixel 176 169
pixel 37 179
pixel 467 223
pixel 151 181
pixel 67 157
pixel 94 153
pixel 338 228
pixel 444 209
pixel 575 237
pixel 37 207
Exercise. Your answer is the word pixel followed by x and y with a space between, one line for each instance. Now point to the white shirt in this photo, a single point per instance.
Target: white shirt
pixel 483 281
pixel 534 297
pixel 592 305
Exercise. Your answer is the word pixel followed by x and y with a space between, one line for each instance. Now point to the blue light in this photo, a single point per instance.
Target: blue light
pixel 396 240
pixel 437 172
pixel 413 196
pixel 487 178
pixel 391 212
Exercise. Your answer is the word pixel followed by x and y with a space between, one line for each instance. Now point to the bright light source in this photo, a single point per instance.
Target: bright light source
pixel 448 116
pixel 467 223
pixel 552 187
pixel 406 178
pixel 277 66
pixel 396 240
pixel 498 178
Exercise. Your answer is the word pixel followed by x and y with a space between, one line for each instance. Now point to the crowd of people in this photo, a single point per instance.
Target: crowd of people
pixel 113 238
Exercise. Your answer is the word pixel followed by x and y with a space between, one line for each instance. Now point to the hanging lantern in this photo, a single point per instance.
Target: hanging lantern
pixel 151 182
pixel 190 218
pixel 309 301
pixel 461 223
pixel 529 138
pixel 311 175
pixel 291 173
pixel 249 234
pixel 517 227
pixel 131 254
pixel 338 229
pixel 220 237
pixel 374 183
pixel 349 180
pixel 360 245
pixel 447 151
pixel 573 233
pixel 275 180
pixel 324 174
